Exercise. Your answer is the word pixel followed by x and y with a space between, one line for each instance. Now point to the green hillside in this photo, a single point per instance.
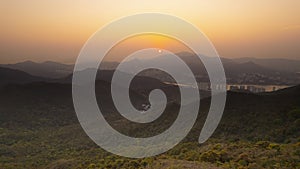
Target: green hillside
pixel 39 129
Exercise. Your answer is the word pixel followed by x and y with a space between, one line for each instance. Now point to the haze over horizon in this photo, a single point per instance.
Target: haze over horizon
pixel 71 63
pixel 56 30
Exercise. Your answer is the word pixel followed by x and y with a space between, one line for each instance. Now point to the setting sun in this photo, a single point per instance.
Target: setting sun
pixel 56 30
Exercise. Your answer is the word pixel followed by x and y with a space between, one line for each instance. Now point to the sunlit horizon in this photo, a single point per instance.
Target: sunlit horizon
pixel 56 31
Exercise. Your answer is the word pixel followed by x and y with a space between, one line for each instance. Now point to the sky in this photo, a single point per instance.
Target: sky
pixel 128 46
pixel 56 30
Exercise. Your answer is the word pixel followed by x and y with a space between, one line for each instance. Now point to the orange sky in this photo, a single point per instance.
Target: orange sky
pixel 129 46
pixel 56 30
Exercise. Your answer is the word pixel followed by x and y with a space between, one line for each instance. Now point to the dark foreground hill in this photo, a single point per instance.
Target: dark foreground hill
pixel 39 129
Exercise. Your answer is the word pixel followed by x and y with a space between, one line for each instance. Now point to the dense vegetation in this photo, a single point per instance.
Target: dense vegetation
pixel 69 147
pixel 39 129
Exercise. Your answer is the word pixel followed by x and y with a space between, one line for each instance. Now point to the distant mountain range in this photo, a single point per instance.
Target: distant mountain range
pixel 241 70
pixel 274 64
pixel 47 69
pixel 237 71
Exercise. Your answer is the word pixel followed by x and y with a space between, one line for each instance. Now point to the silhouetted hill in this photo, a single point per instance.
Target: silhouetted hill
pixel 50 69
pixel 10 76
pixel 274 63
pixel 233 69
pixel 46 69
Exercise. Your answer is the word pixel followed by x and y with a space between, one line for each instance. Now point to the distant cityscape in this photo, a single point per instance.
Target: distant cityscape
pixel 243 87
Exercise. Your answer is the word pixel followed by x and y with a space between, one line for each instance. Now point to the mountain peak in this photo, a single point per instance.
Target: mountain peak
pixel 27 62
